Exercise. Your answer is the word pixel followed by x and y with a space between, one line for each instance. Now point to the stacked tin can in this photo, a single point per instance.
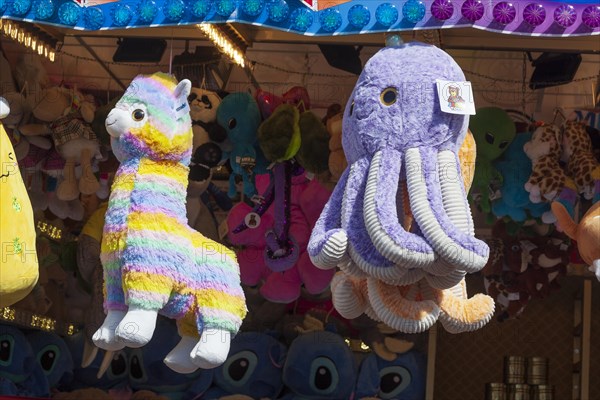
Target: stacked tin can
pixel 537 378
pixel 515 370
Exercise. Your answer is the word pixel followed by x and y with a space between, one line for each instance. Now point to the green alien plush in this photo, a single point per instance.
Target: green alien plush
pixel 493 130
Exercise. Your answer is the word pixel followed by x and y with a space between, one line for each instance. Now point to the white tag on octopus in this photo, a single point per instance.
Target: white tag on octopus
pixel 456 97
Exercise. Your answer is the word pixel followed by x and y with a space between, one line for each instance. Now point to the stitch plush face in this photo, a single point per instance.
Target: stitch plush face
pixel 152 120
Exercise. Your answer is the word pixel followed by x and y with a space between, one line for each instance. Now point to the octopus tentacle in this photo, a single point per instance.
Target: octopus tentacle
pixel 360 246
pixel 328 242
pixel 457 248
pixel 405 249
pixel 398 308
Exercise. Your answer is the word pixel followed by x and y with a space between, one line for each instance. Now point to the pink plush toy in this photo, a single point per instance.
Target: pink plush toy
pixel 307 199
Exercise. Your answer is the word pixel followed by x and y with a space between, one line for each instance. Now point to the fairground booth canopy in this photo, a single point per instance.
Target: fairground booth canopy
pixel 318 17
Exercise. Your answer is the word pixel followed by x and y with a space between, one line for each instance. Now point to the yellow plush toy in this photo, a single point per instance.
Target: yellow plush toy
pixel 18 261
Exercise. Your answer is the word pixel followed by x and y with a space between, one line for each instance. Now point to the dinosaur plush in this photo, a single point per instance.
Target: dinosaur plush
pixel 19 263
pixel 493 131
pixel 153 261
pixel 586 233
pixel 515 168
pixel 239 115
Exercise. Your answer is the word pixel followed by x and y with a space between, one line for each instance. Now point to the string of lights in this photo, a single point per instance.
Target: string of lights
pixel 30 37
pixel 223 43
pixel 28 319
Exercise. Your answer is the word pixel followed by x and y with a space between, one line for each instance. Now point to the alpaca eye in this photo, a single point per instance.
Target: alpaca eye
pixel 138 115
pixel 389 96
pixel 232 123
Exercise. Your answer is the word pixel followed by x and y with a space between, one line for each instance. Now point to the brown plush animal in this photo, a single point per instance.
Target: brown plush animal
pixel 547 177
pixel 586 233
pixel 578 153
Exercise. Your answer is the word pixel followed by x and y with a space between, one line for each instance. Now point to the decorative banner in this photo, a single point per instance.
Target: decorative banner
pixel 320 17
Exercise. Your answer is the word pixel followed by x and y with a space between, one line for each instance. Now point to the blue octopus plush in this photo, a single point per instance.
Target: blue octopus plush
pixel 319 365
pixel 53 356
pixel 400 379
pixel 20 375
pixel 253 368
pixel 515 168
pixel 238 113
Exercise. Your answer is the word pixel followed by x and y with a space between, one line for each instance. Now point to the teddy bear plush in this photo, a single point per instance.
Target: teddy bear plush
pixel 66 114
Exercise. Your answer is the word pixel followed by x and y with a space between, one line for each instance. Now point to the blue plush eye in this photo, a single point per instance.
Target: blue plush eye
pixel 324 377
pixel 239 367
pixel 118 367
pixel 389 96
pixel 138 115
pixel 393 381
pixel 48 358
pixel 7 344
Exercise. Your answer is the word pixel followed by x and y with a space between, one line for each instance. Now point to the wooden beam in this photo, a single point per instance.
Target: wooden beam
pixel 431 353
pixel 586 339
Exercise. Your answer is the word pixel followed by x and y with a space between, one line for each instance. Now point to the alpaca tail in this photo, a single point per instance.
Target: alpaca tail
pixel 564 219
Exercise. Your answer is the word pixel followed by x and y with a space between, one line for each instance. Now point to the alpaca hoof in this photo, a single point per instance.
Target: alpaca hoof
pixel 179 359
pixel 137 327
pixel 105 337
pixel 212 349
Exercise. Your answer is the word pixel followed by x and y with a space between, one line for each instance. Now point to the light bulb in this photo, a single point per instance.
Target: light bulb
pixel 40 49
pixel 28 39
pixel 51 55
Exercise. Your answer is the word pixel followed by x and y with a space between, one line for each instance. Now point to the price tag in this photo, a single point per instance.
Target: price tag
pixel 456 97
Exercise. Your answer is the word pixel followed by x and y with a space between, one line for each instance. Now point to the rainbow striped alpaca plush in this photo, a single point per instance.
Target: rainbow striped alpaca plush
pixel 153 261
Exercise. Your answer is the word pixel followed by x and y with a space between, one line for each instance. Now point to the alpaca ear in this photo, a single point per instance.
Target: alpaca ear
pixel 183 90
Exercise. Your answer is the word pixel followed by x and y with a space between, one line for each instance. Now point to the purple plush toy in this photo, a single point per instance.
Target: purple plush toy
pixel 396 138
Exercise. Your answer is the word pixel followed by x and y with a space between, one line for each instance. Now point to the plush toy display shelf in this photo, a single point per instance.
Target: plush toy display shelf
pixel 319 18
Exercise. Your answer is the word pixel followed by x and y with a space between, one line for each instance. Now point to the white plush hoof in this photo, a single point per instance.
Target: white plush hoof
pixel 179 358
pixel 105 337
pixel 333 251
pixel 137 327
pixel 212 349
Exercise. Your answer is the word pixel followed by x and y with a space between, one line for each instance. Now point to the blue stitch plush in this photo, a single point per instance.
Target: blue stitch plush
pixel 319 365
pixel 515 168
pixel 53 356
pixel 253 368
pixel 401 379
pixel 238 113
pixel 20 374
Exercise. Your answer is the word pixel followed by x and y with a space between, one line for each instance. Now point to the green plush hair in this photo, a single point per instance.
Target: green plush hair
pixel 279 135
pixel 314 149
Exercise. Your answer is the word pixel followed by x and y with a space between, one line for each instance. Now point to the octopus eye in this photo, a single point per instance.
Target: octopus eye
pixel 138 115
pixel 389 96
pixel 352 108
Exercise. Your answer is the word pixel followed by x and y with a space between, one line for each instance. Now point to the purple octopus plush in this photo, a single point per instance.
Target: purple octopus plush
pixel 401 146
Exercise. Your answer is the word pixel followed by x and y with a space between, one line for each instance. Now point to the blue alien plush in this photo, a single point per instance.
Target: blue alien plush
pixel 253 368
pixel 147 370
pixel 116 376
pixel 238 113
pixel 400 379
pixel 515 168
pixel 319 365
pixel 53 356
pixel 20 374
